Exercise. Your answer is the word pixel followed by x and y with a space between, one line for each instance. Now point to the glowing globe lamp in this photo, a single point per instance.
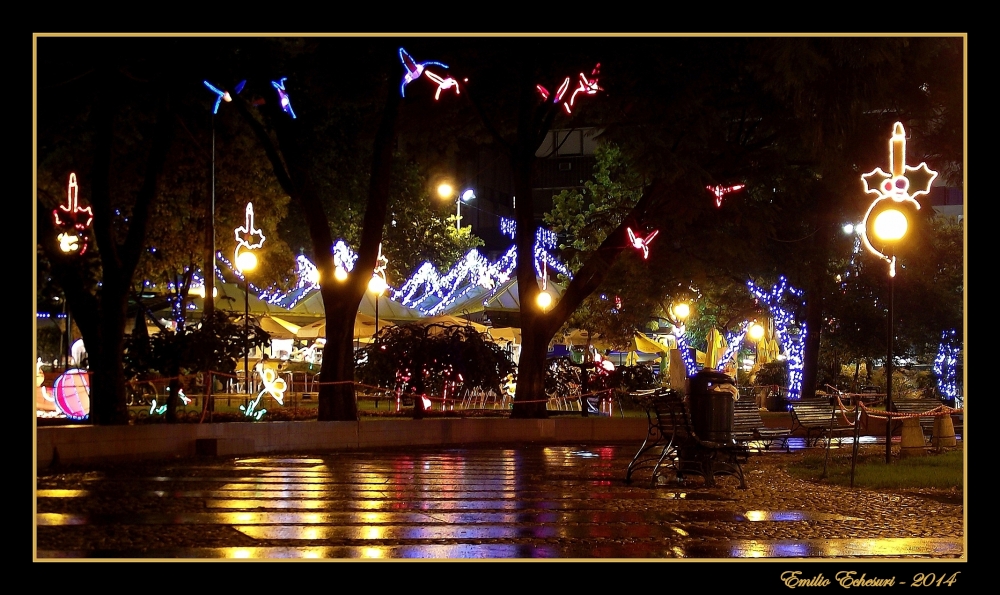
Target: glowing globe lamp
pixel 340 274
pixel 247 261
pixel 890 225
pixel 681 311
pixel 756 332
pixel 71 391
pixel 544 300
pixel 377 285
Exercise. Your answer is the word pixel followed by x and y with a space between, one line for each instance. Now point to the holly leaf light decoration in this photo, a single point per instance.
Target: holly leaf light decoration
pixel 900 186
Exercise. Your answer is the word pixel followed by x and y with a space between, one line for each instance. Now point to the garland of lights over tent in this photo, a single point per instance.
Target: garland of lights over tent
pixel 790 334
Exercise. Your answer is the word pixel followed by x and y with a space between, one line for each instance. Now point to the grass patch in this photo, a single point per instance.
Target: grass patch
pixel 944 471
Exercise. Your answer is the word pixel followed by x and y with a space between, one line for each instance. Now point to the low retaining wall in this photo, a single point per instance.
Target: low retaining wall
pixel 90 444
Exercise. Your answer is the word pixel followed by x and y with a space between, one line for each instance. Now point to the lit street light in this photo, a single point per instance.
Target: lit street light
pixel 245 261
pixel 446 191
pixel 888 223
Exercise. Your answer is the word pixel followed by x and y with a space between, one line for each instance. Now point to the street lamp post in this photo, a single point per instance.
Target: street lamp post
pixel 246 260
pixel 887 222
pixel 378 283
pixel 446 191
pixel 890 227
pixel 377 286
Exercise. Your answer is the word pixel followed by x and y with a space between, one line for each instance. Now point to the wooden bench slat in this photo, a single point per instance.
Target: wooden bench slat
pixel 748 426
pixel 818 419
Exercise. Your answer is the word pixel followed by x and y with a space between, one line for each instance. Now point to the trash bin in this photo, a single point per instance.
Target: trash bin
pixel 712 396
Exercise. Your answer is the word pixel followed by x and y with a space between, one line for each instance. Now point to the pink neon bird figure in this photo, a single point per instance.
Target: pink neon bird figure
pixel 641 243
pixel 415 69
pixel 720 191
pixel 587 86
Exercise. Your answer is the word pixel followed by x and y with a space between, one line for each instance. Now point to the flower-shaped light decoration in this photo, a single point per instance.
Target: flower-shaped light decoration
pixel 415 69
pixel 720 191
pixel 72 221
pixel 273 384
pixel 246 235
pixel 900 187
pixel 586 85
pixel 641 243
pixel 286 105
pixel 222 94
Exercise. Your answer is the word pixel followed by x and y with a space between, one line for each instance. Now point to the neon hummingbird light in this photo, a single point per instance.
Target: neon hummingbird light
pixel 641 243
pixel 587 86
pixel 286 104
pixel 222 94
pixel 720 191
pixel 415 69
pixel 73 221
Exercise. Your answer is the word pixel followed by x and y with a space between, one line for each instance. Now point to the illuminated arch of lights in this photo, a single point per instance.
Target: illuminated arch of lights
pixel 790 334
pixel 428 290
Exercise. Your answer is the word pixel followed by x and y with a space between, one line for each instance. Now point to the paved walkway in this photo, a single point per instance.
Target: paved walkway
pixel 526 501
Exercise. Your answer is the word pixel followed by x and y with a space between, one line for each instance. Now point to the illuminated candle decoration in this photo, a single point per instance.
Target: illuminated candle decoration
pixel 246 235
pixel 286 105
pixel 414 69
pixel 901 186
pixel 380 263
pixel 720 191
pixel 71 391
pixel 586 85
pixel 223 95
pixel 72 221
pixel 641 244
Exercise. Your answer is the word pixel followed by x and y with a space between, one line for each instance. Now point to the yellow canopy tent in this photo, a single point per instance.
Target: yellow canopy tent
pixel 644 344
pixel 716 348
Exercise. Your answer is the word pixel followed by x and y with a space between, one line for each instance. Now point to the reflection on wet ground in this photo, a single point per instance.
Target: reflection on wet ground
pixel 523 502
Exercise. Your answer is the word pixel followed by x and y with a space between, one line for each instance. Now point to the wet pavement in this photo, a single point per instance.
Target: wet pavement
pixel 500 502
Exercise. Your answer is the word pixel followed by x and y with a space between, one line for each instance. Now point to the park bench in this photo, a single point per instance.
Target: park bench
pixel 817 418
pixel 928 410
pixel 672 443
pixel 749 427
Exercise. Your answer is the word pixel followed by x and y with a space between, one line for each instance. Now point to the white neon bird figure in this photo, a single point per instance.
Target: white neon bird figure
pixel 414 69
pixel 286 104
pixel 641 243
pixel 223 95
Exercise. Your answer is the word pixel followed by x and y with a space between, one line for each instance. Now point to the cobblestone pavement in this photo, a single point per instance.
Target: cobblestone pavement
pixel 525 501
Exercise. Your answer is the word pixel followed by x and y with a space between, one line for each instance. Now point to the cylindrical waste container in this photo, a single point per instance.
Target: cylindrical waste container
pixel 712 396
